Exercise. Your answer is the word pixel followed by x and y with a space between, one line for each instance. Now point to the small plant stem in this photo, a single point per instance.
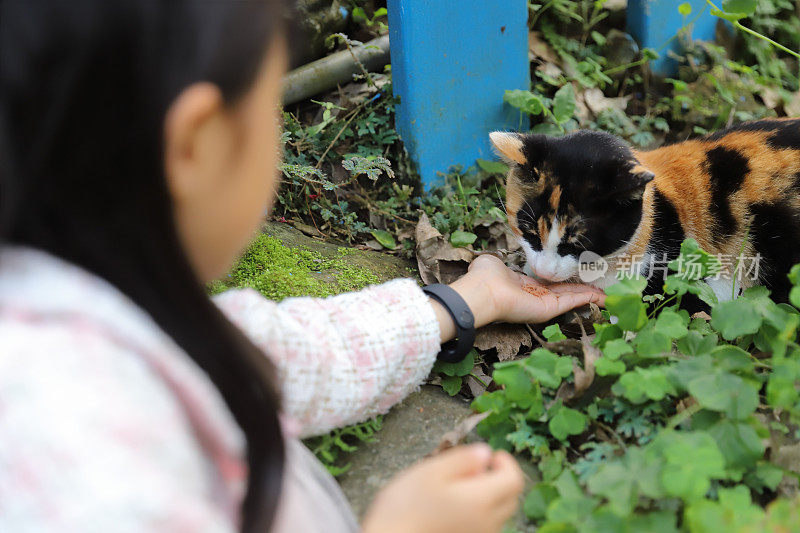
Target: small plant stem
pixel 536 336
pixel 662 304
pixel 553 117
pixel 479 380
pixel 386 213
pixel 739 262
pixel 310 214
pixel 580 323
pixel 608 429
pixel 467 213
pixel 758 363
pixel 540 12
pixel 353 115
pixel 764 37
pixel 620 68
pixel 346 40
pixel 341 210
pixel 684 415
pixel 754 33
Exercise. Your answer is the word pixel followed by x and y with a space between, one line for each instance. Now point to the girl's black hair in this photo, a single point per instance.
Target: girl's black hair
pixel 84 90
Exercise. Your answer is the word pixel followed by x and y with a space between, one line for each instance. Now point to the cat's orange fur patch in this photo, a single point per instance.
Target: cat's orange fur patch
pixel 555 197
pixel 682 178
pixel 509 146
pixel 542 228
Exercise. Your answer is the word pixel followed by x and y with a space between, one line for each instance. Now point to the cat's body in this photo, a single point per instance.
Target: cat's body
pixel 737 192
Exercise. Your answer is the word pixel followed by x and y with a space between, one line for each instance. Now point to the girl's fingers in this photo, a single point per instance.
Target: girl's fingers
pixel 560 288
pixel 461 461
pixel 506 510
pixel 503 482
pixel 572 300
pixel 536 288
pixel 595 295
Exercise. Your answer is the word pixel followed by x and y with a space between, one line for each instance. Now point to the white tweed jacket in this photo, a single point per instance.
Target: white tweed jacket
pixel 107 425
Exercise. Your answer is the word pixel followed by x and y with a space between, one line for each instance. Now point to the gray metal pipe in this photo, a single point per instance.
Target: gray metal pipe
pixel 326 73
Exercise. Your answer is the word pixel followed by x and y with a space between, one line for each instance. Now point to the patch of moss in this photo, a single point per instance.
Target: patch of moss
pixel 278 271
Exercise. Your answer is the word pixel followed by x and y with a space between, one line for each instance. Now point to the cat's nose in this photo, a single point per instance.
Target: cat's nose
pixel 549 275
pixel 545 268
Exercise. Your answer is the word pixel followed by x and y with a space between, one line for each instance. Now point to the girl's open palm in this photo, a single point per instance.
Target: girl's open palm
pixel 514 297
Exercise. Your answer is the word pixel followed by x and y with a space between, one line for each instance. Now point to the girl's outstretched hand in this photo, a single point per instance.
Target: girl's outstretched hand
pixel 468 489
pixel 494 292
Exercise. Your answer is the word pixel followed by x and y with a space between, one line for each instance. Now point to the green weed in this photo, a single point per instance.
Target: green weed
pixel 677 434
pixel 333 447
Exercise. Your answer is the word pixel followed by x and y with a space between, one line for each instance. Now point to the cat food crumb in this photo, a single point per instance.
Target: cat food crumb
pixel 536 290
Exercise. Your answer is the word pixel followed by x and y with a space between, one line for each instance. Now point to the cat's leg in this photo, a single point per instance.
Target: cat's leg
pixel 723 288
pixel 775 232
pixel 656 277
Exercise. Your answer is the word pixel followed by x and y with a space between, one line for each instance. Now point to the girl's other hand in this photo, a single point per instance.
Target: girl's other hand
pixel 469 489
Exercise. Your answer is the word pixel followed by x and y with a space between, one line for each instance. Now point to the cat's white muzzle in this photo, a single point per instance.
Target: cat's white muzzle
pixel 549 265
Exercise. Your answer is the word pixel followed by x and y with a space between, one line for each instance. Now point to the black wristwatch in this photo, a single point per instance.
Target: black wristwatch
pixel 457 349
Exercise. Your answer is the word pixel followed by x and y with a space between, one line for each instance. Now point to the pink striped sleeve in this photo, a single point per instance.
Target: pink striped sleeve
pixel 342 359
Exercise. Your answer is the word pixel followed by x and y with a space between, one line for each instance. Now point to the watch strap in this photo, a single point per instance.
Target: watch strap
pixel 457 349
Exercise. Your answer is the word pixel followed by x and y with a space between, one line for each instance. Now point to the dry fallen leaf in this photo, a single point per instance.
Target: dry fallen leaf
pixel 616 5
pixel 583 319
pixel 539 49
pixel 581 109
pixel 585 376
pixel 551 69
pixel 425 230
pixel 371 244
pixel 438 260
pixel 792 107
pixel 771 97
pixel 311 231
pixel 787 456
pixel 460 432
pixel 477 387
pixel 597 102
pixel 497 234
pixel 507 339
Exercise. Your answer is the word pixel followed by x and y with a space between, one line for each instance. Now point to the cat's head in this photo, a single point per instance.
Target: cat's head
pixel 566 195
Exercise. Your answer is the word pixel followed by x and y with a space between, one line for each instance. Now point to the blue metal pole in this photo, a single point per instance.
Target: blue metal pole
pixel 452 61
pixel 654 22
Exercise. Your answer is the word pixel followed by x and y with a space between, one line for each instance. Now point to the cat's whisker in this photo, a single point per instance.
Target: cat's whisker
pixel 525 217
pixel 500 197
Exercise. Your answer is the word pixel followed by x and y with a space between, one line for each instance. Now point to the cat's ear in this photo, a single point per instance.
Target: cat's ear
pixel 634 178
pixel 509 147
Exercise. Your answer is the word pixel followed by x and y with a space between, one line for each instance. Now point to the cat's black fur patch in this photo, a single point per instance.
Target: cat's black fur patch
pixel 775 235
pixel 786 137
pixel 785 134
pixel 665 245
pixel 726 169
pixel 607 227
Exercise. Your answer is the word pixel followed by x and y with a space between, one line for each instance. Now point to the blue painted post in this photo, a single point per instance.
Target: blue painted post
pixel 452 61
pixel 654 22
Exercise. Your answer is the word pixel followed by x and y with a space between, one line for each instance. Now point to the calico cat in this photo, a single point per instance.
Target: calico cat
pixel 737 192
